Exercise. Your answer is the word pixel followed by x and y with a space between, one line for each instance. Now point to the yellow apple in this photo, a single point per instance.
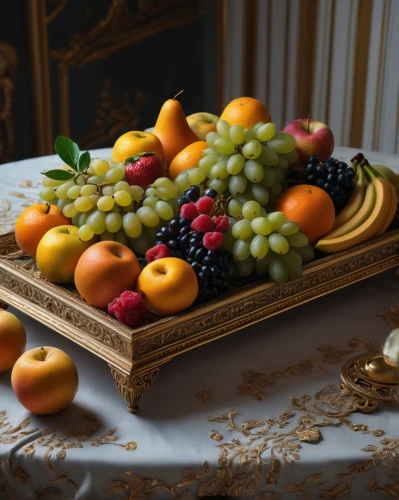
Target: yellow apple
pixel 201 123
pixel 44 380
pixel 12 340
pixel 58 253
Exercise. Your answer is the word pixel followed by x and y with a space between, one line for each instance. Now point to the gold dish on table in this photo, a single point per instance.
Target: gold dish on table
pixel 136 355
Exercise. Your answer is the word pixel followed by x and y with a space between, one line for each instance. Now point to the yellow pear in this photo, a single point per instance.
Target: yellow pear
pixel 172 129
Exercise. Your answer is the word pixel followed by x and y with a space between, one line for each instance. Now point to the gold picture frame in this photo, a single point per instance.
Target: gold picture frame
pixel 136 355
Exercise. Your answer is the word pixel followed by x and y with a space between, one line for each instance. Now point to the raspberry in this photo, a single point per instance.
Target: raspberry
pixel 205 204
pixel 221 223
pixel 203 224
pixel 212 240
pixel 128 308
pixel 188 211
pixel 158 252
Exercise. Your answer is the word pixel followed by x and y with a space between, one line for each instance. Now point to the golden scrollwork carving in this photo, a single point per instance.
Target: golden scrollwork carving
pixel 132 386
pixel 8 66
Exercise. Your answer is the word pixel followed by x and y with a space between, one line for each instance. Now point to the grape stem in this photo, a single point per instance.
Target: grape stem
pixel 177 95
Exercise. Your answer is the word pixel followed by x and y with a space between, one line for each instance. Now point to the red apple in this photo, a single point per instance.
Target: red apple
pixel 312 138
pixel 144 169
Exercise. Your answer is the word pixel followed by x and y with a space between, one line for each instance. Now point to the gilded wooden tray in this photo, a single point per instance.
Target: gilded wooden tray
pixel 135 355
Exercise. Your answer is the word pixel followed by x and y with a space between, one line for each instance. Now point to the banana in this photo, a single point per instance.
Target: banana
pixel 355 201
pixel 366 230
pixel 391 212
pixel 360 216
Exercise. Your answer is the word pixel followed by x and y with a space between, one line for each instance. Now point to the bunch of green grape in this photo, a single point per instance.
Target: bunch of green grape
pixel 100 202
pixel 267 243
pixel 245 164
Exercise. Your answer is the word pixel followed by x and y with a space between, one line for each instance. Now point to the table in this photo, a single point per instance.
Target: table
pixel 256 414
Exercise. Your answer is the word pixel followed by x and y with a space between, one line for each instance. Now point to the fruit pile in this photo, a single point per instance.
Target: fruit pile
pixel 178 213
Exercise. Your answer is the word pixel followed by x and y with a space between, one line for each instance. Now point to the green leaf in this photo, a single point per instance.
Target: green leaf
pixel 59 175
pixel 84 162
pixel 136 157
pixel 68 151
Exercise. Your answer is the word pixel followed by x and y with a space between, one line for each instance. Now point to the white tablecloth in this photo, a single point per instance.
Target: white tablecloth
pixel 256 414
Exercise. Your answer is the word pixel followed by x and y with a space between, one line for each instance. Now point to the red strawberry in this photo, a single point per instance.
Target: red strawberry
pixel 221 223
pixel 144 169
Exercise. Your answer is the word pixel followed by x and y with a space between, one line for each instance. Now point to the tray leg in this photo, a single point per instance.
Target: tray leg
pixel 132 386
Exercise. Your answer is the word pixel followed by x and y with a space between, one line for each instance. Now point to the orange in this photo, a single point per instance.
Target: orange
pixel 104 271
pixel 246 111
pixel 309 206
pixel 12 340
pixel 135 142
pixel 168 286
pixel 187 158
pixel 44 380
pixel 33 222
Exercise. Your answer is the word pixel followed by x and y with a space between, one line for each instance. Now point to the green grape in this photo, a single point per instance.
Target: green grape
pixel 88 189
pixel 197 176
pixel 74 192
pixel 122 186
pixel 151 201
pixel 169 192
pixel 182 182
pixel 224 158
pixel 85 232
pixel 95 179
pixel 122 198
pixel 47 194
pixel 207 162
pixel 82 218
pixel 261 265
pixel 261 225
pixel 288 228
pixel 251 150
pixel 234 207
pixel 219 185
pixel 295 272
pixel 75 219
pixel 132 225
pixel 107 191
pixel 150 191
pixel 47 182
pixel 245 196
pixel 80 180
pixel 253 170
pixel 174 202
pixel 242 229
pixel 211 137
pixel 222 128
pixel 278 174
pixel 269 177
pixel 224 146
pixel 228 239
pixel 219 171
pixel 268 156
pixel 292 259
pixel 61 191
pixel 259 193
pixel 121 237
pixel 96 221
pixel 162 182
pixel 256 127
pixel 263 212
pixel 242 249
pixel 100 167
pixel 249 135
pixel 282 142
pixel 94 198
pixel 237 134
pixel 136 192
pixel 306 252
pixel 148 216
pixel 278 243
pixel 282 162
pixel 250 210
pixel 292 157
pixel 265 131
pixel 278 271
pixel 235 164
pixel 105 203
pixel 297 240
pixel 259 246
pixel 106 236
pixel 113 222
pixel 69 210
pixel 237 184
pixel 114 175
pixel 276 190
pixel 143 242
pixel 245 267
pixel 277 219
pixel 210 151
pixel 83 203
pixel 164 210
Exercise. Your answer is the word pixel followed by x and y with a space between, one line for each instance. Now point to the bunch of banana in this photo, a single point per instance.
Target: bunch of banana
pixel 368 212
